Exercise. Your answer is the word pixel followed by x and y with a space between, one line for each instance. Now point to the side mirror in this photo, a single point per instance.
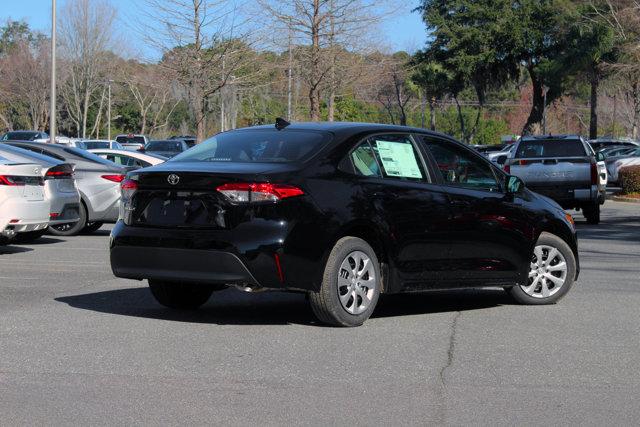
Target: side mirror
pixel 600 157
pixel 514 185
pixel 501 160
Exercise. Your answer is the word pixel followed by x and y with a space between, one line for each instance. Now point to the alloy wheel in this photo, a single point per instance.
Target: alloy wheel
pixel 547 274
pixel 356 282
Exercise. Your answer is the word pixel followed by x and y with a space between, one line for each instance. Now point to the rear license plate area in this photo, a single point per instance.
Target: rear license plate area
pixel 181 209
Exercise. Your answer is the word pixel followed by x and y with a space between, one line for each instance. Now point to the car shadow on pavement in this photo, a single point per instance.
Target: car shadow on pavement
pixel 10 250
pixel 41 241
pixel 623 228
pixel 232 307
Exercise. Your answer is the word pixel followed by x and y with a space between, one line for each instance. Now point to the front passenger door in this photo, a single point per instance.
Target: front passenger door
pixel 489 232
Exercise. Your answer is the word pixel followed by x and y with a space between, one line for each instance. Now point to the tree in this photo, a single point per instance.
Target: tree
pixel 202 47
pixel 324 28
pixel 85 35
pixel 433 81
pixel 467 40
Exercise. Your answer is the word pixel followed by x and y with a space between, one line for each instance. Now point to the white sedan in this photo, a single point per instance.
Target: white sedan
pixel 132 159
pixel 619 164
pixel 23 206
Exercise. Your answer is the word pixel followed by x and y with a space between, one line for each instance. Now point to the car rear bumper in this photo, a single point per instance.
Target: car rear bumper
pixel 23 216
pixel 68 213
pixel 188 265
pixel 251 256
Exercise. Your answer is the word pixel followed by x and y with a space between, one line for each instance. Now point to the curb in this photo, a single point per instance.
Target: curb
pixel 624 199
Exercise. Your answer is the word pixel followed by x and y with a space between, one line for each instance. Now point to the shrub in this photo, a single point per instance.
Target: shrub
pixel 629 178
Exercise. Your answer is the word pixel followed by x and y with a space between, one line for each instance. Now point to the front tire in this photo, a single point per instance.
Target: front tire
pixel 180 295
pixel 350 285
pixel 551 274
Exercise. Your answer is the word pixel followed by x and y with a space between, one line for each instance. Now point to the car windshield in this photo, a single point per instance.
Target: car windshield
pixel 20 136
pixel 249 146
pixel 92 145
pixel 551 148
pixel 174 146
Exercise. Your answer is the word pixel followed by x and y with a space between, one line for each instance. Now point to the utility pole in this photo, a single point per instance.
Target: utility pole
pixel 109 112
pixel 289 75
pixel 545 89
pixel 222 128
pixel 52 114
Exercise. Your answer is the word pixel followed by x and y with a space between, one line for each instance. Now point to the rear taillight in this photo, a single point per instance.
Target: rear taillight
pixel 507 168
pixel 128 187
pixel 12 180
pixel 594 174
pixel 63 171
pixel 114 178
pixel 244 192
pixel 522 162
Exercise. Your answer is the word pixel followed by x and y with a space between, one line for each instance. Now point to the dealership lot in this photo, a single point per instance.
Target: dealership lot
pixel 79 346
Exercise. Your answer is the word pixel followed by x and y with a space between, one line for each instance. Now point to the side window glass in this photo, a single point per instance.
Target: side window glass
pixel 364 161
pixel 398 157
pixel 462 169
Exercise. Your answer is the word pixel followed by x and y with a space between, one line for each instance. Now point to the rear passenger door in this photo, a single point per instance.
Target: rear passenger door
pixel 411 208
pixel 489 230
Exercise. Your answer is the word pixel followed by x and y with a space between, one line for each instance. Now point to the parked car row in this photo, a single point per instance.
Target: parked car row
pixel 80 188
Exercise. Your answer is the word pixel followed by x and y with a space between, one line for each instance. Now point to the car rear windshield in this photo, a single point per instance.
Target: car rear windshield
pixel 268 146
pixel 175 146
pixel 130 139
pixel 92 145
pixel 20 136
pixel 550 148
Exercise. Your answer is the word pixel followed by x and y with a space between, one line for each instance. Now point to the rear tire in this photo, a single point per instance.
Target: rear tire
pixel 29 236
pixel 71 229
pixel 592 213
pixel 552 273
pixel 180 295
pixel 350 285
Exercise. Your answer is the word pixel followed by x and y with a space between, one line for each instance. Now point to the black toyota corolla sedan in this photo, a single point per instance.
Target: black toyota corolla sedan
pixel 343 212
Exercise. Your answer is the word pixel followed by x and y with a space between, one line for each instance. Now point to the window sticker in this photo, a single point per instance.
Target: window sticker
pixel 399 159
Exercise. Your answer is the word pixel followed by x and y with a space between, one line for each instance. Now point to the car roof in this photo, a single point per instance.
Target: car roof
pixel 345 128
pixel 549 137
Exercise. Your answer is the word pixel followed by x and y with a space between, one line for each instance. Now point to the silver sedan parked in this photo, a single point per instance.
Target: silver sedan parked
pixel 128 158
pixel 98 182
pixel 59 188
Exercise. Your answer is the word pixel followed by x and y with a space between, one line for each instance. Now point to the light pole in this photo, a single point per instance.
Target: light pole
pixel 545 89
pixel 109 111
pixel 52 115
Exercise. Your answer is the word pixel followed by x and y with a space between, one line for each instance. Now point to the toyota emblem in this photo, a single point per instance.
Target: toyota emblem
pixel 173 179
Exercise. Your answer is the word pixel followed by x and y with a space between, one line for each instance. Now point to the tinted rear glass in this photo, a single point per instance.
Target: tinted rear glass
pixel 551 148
pixel 175 146
pixel 130 140
pixel 20 136
pixel 92 145
pixel 269 146
pixel 40 158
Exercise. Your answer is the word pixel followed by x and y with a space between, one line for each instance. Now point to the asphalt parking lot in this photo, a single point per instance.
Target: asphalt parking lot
pixel 78 346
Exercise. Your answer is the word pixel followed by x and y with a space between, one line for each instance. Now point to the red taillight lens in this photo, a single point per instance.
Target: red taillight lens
pixel 522 162
pixel 594 174
pixel 244 192
pixel 507 168
pixel 58 174
pixel 128 187
pixel 114 178
pixel 12 180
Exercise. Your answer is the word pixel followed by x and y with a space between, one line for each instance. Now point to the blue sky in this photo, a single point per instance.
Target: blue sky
pixel 403 32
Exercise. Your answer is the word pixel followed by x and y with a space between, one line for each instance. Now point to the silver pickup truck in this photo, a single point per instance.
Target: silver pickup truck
pixel 563 168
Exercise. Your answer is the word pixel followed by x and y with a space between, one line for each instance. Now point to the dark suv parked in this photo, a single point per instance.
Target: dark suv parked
pixel 343 212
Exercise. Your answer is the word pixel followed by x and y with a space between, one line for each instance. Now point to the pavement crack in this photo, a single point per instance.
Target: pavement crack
pixel 452 347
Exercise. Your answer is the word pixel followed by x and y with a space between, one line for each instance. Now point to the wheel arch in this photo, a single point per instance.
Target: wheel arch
pixel 374 236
